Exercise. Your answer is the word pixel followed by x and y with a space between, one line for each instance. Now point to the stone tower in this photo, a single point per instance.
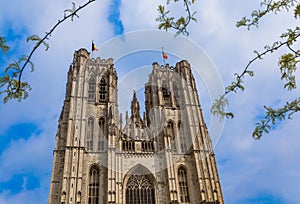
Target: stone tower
pixel 165 157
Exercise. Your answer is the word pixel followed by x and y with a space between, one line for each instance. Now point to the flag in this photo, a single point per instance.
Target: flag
pixel 94 48
pixel 165 56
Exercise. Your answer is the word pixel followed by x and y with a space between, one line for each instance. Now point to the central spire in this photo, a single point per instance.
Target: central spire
pixel 135 106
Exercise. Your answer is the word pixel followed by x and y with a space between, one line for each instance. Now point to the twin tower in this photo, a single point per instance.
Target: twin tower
pixel 163 157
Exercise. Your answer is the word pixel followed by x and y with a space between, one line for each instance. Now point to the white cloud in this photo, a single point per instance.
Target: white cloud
pixel 49 78
pixel 33 154
pixel 267 166
pixel 25 196
pixel 139 14
pixel 247 167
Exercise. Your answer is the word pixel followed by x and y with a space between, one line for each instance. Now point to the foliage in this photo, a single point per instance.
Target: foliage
pixel 181 23
pixel 3 45
pixel 11 82
pixel 287 62
pixel 13 86
pixel 273 115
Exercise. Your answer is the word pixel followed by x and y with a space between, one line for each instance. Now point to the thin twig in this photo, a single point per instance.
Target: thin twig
pixel 44 38
pixel 181 27
pixel 259 56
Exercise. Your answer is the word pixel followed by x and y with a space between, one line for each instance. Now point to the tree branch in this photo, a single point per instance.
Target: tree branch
pixel 15 87
pixel 271 6
pixel 287 63
pixel 46 37
pixel 181 23
pixel 273 115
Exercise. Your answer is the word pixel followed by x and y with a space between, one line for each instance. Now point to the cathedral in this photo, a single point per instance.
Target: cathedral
pixel 162 156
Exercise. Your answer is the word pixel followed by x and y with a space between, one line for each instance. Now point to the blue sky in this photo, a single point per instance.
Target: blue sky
pixel 265 171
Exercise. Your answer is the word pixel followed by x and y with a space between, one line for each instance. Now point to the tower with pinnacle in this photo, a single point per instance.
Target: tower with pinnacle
pixel 164 156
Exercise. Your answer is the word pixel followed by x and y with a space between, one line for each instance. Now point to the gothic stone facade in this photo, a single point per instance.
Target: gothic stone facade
pixel 165 157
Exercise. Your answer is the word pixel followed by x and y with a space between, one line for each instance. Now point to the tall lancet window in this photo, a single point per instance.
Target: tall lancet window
pixel 140 189
pixel 183 147
pixel 171 134
pixel 92 89
pixel 90 134
pixel 101 140
pixel 103 90
pixel 183 185
pixel 166 94
pixel 165 89
pixel 176 94
pixel 175 90
pixel 94 185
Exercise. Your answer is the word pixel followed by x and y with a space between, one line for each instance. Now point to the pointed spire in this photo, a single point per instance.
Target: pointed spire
pixel 135 106
pixel 134 95
pixel 126 116
pixel 121 121
pixel 145 119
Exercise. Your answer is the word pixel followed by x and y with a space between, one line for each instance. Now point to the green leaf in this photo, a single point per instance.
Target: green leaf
pixel 297 11
pixel 72 11
pixel 3 45
pixel 39 41
pixel 250 73
pixel 25 58
pixel 274 115
pixel 33 38
pixel 161 9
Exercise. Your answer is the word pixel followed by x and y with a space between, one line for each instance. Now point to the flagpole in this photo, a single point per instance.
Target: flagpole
pixel 92 48
pixel 162 48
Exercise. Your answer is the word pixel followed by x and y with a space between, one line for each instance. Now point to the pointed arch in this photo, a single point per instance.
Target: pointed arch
pixel 165 89
pixel 140 188
pixel 176 94
pixel 183 185
pixel 103 90
pixel 94 185
pixel 102 133
pixel 175 90
pixel 92 89
pixel 171 134
pixel 182 142
pixel 166 93
pixel 90 133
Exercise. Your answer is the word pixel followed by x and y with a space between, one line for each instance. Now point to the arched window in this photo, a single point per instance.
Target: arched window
pixel 140 189
pixel 101 144
pixel 166 94
pixel 176 94
pixel 94 183
pixel 103 91
pixel 165 89
pixel 175 90
pixel 90 134
pixel 183 185
pixel 92 89
pixel 170 132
